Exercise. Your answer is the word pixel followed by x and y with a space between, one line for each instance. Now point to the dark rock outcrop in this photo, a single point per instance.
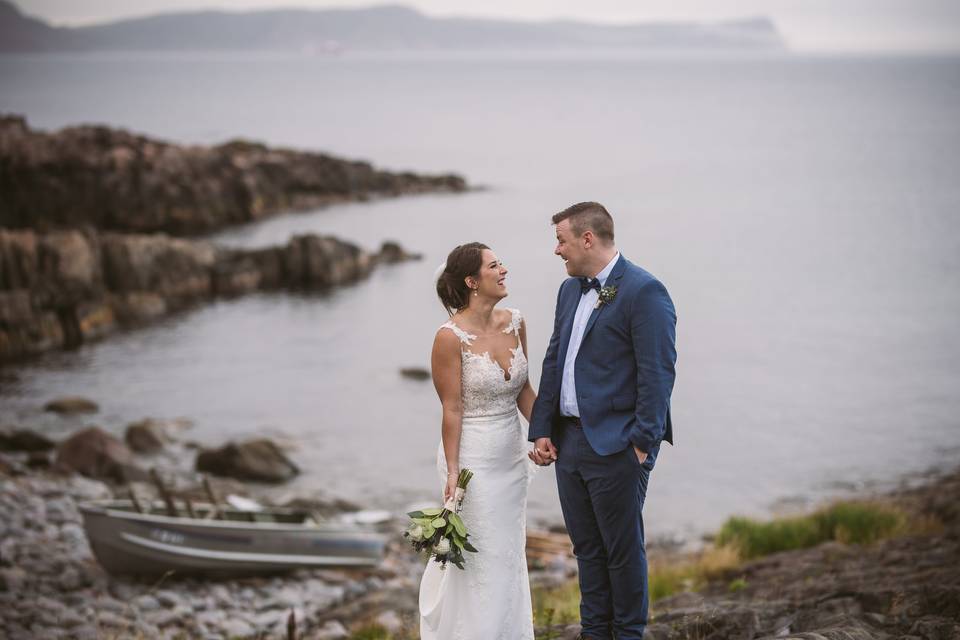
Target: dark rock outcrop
pixel 62 289
pixel 24 440
pixel 119 181
pixel 259 460
pixel 96 454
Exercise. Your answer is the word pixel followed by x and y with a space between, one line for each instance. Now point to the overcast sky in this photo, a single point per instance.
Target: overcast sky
pixel 811 25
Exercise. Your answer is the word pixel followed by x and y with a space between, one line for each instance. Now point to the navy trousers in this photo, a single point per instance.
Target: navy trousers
pixel 602 500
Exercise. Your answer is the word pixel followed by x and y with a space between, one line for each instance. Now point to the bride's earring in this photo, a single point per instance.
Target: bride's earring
pixel 475 292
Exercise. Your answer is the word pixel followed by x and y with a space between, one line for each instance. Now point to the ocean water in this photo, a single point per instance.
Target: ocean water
pixel 802 211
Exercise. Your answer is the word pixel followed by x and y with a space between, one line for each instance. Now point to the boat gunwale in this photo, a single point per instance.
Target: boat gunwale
pixel 102 508
pixel 241 557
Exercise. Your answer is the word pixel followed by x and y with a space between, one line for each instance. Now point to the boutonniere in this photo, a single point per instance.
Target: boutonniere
pixel 607 294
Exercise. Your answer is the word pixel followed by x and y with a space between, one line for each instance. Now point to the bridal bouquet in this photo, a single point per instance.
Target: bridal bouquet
pixel 441 531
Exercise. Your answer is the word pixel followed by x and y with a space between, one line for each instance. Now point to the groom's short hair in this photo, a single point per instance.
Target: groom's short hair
pixel 588 215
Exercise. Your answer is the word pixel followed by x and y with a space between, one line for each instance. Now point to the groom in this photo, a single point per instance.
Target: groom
pixel 602 411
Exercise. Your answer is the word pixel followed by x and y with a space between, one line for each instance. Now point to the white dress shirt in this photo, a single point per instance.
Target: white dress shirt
pixel 568 386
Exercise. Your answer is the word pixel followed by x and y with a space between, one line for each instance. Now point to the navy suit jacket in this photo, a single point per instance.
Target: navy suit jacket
pixel 624 369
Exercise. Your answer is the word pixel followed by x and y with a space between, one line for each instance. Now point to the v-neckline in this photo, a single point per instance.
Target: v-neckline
pixel 505 373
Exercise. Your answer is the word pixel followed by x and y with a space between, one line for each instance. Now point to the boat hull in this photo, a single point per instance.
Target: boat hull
pixel 127 542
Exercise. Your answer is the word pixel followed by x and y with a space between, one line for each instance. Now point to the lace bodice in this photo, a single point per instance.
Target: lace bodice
pixel 485 389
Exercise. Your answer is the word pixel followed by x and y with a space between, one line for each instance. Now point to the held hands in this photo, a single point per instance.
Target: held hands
pixel 544 453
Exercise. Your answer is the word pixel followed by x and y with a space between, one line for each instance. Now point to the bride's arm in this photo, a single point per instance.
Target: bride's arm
pixel 445 363
pixel 527 395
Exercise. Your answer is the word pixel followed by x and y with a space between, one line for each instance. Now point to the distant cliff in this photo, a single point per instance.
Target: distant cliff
pixel 118 181
pixel 385 28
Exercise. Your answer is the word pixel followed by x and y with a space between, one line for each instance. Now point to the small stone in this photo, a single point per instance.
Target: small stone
pixel 12 579
pixel 146 602
pixel 390 620
pixel 213 618
pixel 73 535
pixel 70 579
pixel 85 632
pixel 71 404
pixel 169 599
pixel 62 510
pixel 106 604
pixel 234 627
pixel 271 620
pixel 170 617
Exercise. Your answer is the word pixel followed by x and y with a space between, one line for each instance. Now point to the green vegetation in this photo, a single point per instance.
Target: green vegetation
pixel 556 605
pixel 371 632
pixel 377 632
pixel 737 584
pixel 847 522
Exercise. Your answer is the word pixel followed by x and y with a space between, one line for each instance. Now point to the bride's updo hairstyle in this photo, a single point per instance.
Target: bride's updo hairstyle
pixel 463 261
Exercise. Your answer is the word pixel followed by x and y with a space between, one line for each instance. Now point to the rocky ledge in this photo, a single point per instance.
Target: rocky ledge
pixel 64 288
pixel 906 587
pixel 115 180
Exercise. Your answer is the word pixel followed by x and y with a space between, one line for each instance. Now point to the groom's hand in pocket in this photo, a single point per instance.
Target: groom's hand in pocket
pixel 641 456
pixel 544 453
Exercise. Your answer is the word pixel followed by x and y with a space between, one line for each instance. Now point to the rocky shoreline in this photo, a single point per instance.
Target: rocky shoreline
pixel 51 586
pixel 903 587
pixel 64 288
pixel 115 180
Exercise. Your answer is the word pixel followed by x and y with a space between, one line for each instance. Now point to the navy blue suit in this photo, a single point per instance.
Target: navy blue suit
pixel 624 374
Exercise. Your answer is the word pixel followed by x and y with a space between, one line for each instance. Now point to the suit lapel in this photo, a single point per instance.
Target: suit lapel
pixel 566 330
pixel 615 274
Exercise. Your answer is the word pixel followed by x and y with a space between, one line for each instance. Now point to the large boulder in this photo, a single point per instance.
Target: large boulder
pixel 313 261
pixel 260 460
pixel 177 270
pixel 145 436
pixel 96 454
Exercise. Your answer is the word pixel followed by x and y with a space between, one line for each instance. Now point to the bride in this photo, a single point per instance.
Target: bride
pixel 479 367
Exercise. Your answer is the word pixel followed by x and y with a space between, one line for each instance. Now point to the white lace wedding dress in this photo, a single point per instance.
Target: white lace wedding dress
pixel 490 598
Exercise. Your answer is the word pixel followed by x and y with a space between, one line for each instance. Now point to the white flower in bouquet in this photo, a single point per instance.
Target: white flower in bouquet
pixel 416 532
pixel 442 547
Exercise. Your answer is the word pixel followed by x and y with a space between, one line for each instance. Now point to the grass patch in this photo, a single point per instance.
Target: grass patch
pixel 556 605
pixel 847 522
pixel 737 584
pixel 377 632
pixel 371 632
pixel 561 605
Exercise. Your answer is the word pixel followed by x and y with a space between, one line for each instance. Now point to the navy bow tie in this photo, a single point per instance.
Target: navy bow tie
pixel 589 283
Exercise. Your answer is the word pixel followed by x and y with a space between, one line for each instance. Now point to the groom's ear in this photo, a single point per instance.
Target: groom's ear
pixel 588 238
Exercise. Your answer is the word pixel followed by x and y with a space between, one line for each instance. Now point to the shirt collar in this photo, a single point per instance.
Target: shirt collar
pixel 605 273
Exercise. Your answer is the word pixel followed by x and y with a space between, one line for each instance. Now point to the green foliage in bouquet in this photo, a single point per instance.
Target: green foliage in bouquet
pixel 441 531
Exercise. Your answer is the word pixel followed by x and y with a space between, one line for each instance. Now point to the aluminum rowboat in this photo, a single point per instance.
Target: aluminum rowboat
pixel 126 541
